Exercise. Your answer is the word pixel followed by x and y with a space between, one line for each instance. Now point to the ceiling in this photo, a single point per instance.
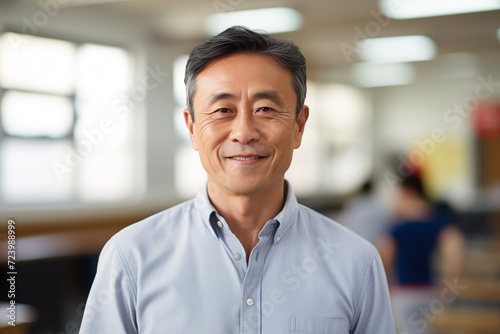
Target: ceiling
pixel 327 25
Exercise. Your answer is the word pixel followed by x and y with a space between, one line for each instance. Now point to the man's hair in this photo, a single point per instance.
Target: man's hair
pixel 239 39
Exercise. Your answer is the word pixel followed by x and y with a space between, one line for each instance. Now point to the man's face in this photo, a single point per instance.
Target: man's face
pixel 245 127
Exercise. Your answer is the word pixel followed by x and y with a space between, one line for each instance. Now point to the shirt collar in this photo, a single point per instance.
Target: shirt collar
pixel 205 208
pixel 288 214
pixel 285 218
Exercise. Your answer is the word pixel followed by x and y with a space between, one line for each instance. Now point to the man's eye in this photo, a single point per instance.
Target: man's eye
pixel 265 109
pixel 223 110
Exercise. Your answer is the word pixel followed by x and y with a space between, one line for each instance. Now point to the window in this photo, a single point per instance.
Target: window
pixel 66 128
pixel 335 156
pixel 189 173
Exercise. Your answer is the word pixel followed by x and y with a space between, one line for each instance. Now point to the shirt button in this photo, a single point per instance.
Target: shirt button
pixel 237 256
pixel 250 302
pixel 278 238
pixel 219 223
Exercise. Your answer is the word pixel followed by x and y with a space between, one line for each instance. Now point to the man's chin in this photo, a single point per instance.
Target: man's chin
pixel 244 189
pixel 244 185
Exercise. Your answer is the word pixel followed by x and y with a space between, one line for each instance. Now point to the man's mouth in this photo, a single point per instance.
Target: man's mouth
pixel 245 158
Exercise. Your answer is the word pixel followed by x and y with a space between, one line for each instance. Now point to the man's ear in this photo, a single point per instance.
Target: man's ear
pixel 190 126
pixel 301 123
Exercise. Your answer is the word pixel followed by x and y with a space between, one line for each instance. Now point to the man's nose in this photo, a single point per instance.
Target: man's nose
pixel 245 129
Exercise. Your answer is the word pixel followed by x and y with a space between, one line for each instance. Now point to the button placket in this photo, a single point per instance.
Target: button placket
pixel 251 312
pixel 232 246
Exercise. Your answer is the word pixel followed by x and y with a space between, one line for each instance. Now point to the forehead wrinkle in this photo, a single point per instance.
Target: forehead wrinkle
pixel 272 95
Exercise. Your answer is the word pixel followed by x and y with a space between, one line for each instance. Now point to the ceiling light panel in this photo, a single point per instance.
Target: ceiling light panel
pixel 380 75
pixel 271 20
pixel 409 9
pixel 396 49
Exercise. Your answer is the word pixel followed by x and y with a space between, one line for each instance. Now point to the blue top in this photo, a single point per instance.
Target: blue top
pixel 183 271
pixel 415 242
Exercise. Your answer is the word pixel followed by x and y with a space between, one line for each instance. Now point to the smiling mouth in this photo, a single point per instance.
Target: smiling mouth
pixel 245 158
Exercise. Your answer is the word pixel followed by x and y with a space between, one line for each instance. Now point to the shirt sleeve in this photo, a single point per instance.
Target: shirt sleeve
pixel 375 312
pixel 110 307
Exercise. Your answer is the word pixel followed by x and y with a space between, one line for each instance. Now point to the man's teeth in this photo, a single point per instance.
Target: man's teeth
pixel 245 158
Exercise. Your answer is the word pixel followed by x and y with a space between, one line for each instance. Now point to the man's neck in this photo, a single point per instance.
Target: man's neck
pixel 247 214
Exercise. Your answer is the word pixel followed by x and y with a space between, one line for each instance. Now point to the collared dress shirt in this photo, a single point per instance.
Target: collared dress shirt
pixel 183 271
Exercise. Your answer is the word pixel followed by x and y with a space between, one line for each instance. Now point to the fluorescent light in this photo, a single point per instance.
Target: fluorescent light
pixel 409 9
pixel 396 49
pixel 77 3
pixel 379 75
pixel 271 20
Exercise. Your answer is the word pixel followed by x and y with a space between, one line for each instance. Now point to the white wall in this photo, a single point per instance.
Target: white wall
pixel 406 116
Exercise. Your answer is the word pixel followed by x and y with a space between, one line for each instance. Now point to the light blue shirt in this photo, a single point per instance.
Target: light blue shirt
pixel 183 271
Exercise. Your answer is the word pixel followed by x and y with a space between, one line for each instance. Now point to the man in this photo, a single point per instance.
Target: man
pixel 244 256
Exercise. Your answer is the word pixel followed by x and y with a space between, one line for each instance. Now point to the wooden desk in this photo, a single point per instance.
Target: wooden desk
pixel 63 244
pixel 467 321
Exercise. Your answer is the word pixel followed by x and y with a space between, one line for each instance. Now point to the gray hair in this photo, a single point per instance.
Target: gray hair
pixel 239 39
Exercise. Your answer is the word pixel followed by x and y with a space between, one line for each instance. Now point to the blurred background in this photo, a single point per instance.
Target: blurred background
pixel 92 137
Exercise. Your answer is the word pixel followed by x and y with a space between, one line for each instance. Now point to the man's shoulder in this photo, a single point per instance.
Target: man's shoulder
pixel 325 227
pixel 161 224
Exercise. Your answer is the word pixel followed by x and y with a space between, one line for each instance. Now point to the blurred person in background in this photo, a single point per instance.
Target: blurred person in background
pixel 421 230
pixel 365 215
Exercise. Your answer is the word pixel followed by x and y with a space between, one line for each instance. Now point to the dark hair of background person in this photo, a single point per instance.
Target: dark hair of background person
pixel 239 39
pixel 414 184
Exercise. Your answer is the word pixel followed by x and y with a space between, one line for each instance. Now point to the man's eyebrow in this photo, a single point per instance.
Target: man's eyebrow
pixel 216 97
pixel 272 95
